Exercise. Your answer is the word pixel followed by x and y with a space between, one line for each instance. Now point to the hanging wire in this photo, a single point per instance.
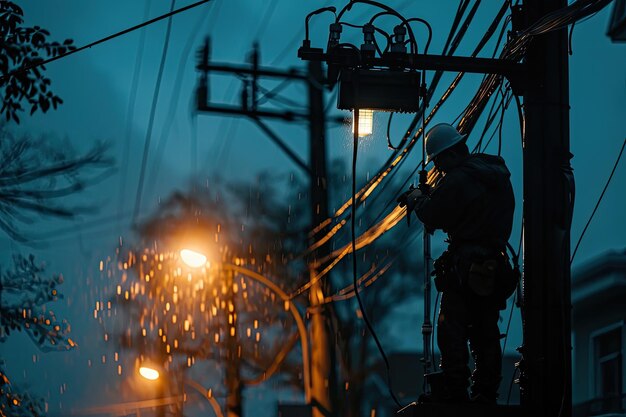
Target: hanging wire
pixel 606 186
pixel 432 340
pixel 491 115
pixel 155 99
pixel 569 39
pixel 174 99
pixel 37 64
pixel 389 144
pixel 508 397
pixel 508 326
pixel 430 31
pixel 502 122
pixel 130 110
pixel 505 103
pixel 354 260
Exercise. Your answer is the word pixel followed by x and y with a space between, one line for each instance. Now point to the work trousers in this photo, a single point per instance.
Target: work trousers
pixel 463 317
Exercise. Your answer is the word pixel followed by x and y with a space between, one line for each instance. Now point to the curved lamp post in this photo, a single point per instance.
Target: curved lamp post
pixel 296 315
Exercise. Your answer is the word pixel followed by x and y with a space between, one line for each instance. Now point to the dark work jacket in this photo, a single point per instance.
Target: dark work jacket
pixel 473 203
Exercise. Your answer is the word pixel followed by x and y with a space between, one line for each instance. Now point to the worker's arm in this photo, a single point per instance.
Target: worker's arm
pixel 447 203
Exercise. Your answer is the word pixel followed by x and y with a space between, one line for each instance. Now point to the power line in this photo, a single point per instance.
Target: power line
pixel 106 39
pixel 355 283
pixel 155 99
pixel 130 113
pixel 266 19
pixel 599 201
pixel 173 102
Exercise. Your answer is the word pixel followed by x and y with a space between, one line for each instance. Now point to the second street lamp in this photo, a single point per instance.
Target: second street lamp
pixel 152 374
pixel 149 373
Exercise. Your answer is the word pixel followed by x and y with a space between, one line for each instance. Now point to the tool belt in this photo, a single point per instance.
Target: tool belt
pixel 486 272
pixel 445 273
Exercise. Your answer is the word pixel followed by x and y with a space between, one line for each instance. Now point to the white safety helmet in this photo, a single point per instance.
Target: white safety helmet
pixel 439 138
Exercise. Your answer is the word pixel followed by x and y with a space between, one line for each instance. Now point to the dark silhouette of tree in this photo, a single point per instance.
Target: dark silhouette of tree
pixel 25 293
pixel 21 47
pixel 36 177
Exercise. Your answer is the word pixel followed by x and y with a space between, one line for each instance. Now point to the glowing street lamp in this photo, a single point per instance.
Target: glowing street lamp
pixel 366 122
pixel 149 373
pixel 152 375
pixel 192 258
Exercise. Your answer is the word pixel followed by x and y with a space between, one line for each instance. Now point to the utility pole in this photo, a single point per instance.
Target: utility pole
pixel 321 345
pixel 548 193
pixel 232 378
pixel 322 358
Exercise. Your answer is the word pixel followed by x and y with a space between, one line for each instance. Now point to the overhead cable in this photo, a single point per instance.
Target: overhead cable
pixel 130 110
pixel 43 62
pixel 174 100
pixel 155 99
pixel 606 186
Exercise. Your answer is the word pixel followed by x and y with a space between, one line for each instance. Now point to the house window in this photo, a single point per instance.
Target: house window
pixel 608 363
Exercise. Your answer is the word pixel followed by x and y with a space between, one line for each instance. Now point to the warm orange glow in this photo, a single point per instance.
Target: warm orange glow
pixel 192 258
pixel 366 122
pixel 149 373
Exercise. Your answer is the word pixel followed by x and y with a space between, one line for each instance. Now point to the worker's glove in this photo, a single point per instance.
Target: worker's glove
pixel 410 199
pixel 403 198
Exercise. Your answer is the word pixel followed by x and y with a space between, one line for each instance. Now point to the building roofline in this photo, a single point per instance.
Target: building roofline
pixel 609 261
pixel 601 275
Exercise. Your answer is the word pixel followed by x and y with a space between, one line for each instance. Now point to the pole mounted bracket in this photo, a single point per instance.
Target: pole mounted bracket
pixel 340 59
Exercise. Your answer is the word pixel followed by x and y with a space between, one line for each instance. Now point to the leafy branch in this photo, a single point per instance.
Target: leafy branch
pixel 24 293
pixel 23 46
pixel 35 174
pixel 18 404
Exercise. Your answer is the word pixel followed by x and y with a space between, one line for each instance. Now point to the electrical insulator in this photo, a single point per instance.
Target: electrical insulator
pixel 368 47
pixel 335 34
pixel 399 33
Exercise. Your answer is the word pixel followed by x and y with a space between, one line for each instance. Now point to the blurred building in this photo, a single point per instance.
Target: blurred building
pixel 598 336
